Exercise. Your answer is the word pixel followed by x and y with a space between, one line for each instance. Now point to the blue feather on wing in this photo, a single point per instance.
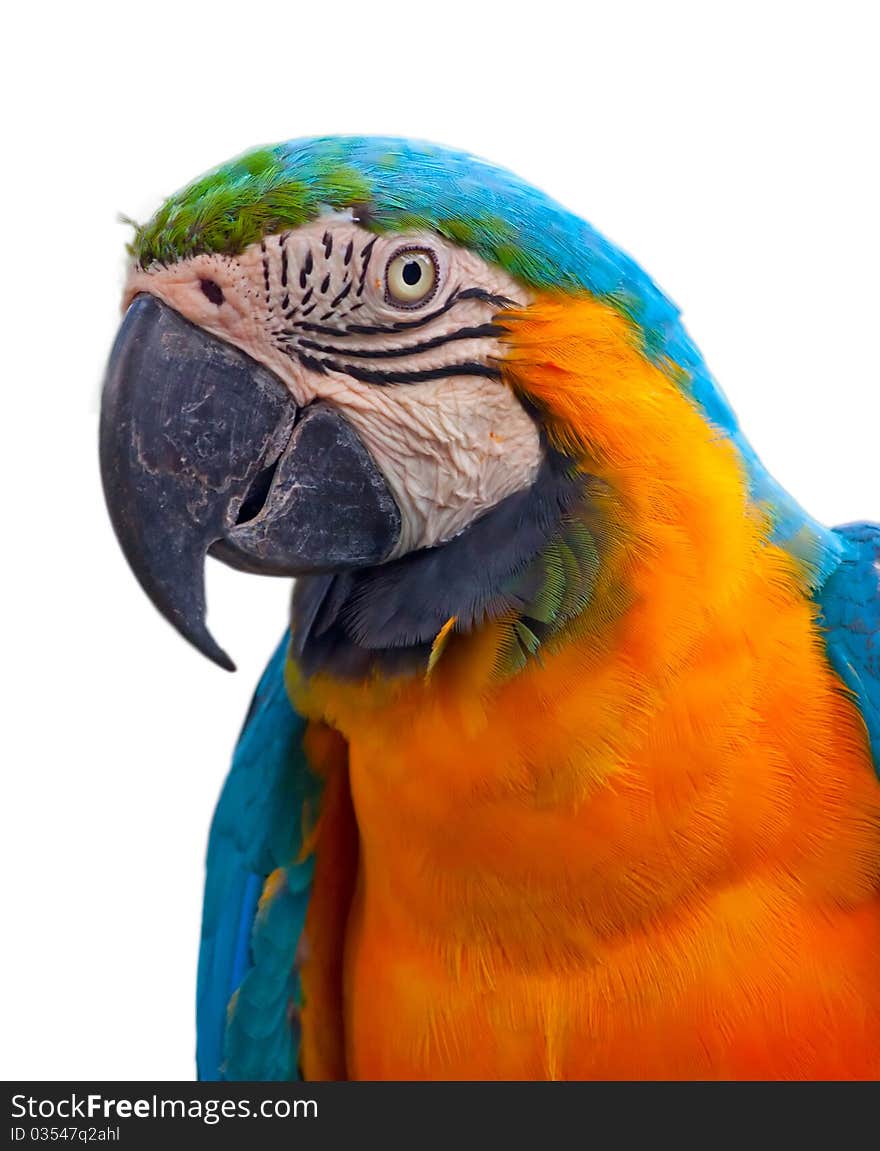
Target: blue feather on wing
pixel 849 606
pixel 247 978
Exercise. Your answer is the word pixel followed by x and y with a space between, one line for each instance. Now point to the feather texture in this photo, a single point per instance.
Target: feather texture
pixel 256 893
pixel 850 614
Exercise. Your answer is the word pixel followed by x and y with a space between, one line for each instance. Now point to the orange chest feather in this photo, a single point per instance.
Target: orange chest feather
pixel 592 878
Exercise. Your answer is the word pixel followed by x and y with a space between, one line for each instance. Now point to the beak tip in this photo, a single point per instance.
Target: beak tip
pixel 221 659
pixel 208 646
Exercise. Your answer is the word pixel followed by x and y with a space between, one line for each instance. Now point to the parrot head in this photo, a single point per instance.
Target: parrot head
pixel 352 355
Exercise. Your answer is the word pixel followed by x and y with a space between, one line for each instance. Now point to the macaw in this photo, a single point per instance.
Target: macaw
pixel 566 766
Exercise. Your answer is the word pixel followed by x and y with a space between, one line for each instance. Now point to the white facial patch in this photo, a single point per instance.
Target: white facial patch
pixel 395 330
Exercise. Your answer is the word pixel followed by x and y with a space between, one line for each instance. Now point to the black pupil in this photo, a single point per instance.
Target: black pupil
pixel 412 272
pixel 212 290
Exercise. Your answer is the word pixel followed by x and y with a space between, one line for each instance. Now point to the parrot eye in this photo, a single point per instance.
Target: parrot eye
pixel 411 277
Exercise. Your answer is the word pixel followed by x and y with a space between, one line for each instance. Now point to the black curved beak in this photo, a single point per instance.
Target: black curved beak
pixel 202 449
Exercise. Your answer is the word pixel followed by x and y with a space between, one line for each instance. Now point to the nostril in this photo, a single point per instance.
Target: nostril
pixel 213 291
pixel 255 500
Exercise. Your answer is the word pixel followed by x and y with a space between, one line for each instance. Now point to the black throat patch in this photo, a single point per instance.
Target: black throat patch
pixel 387 617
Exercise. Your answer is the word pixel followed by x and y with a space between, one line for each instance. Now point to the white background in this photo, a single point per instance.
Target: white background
pixel 731 149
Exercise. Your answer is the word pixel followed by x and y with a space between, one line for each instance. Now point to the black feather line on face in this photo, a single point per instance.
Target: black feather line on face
pixel 366 253
pixel 472 333
pixel 387 617
pixel 315 355
pixel 416 376
pixel 398 326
